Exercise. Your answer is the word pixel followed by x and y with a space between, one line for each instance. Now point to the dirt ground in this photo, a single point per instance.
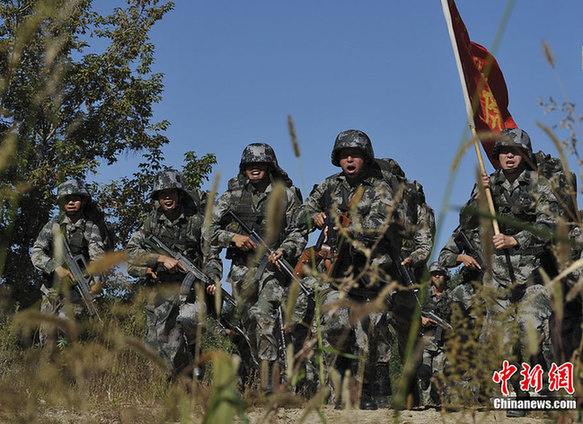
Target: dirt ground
pixel 126 415
pixel 419 416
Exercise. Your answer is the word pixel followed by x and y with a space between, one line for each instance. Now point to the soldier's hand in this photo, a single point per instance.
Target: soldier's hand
pixel 485 180
pixel 151 273
pixel 95 289
pixel 171 264
pixel 502 241
pixel 407 262
pixel 243 242
pixel 320 220
pixel 212 289
pixel 274 256
pixel 64 273
pixel 427 321
pixel 468 261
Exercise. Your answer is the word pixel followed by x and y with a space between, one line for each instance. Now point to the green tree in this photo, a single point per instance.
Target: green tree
pixel 76 91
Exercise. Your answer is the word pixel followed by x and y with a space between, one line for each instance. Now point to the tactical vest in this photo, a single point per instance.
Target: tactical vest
pixel 185 239
pixel 255 217
pixel 520 206
pixel 77 242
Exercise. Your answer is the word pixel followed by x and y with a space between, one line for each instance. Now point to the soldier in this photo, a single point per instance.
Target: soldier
pixel 259 286
pixel 437 300
pixel 417 241
pixel 464 247
pixel 362 259
pixel 84 238
pixel 518 294
pixel 172 317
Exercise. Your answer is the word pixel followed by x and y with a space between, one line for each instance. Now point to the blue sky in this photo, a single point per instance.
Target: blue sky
pixel 234 71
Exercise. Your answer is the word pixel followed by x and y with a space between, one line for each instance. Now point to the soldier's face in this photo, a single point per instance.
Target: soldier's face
pixel 438 280
pixel 351 161
pixel 510 158
pixel 256 171
pixel 74 204
pixel 168 199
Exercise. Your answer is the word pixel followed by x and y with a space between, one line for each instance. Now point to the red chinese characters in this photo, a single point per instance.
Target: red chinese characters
pixel 504 375
pixel 560 377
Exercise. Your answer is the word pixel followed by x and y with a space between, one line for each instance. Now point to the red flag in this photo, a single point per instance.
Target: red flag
pixel 485 84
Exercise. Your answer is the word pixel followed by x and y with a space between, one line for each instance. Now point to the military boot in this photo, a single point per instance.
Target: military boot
pixel 381 389
pixel 267 377
pixel 367 401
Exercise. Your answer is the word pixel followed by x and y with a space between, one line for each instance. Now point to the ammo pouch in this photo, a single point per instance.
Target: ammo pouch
pixel 233 252
pixel 517 292
pixel 438 337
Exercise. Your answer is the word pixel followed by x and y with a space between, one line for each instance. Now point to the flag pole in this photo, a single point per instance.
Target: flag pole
pixel 469 110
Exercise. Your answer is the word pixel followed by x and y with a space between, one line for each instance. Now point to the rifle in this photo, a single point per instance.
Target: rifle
pixel 77 266
pixel 312 254
pixel 463 243
pixel 256 238
pixel 286 267
pixel 405 272
pixel 194 273
pixel 328 234
pixel 441 325
pixel 439 321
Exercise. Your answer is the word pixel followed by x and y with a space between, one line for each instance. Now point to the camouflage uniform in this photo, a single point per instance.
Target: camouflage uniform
pixel 433 335
pixel 171 318
pixel 83 237
pixel 465 293
pixel 417 231
pixel 369 228
pixel 525 302
pixel 258 287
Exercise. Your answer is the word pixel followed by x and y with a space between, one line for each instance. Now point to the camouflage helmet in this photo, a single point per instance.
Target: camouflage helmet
pixel 514 137
pixel 354 139
pixel 72 186
pixel 258 153
pixel 435 267
pixel 168 179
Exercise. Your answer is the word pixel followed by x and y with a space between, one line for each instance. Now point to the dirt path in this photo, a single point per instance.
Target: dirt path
pixel 429 416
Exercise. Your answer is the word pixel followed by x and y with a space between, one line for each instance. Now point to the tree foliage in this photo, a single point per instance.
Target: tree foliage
pixel 76 91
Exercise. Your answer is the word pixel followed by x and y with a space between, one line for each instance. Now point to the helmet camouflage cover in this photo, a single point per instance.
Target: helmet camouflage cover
pixel 354 139
pixel 258 153
pixel 72 186
pixel 168 179
pixel 514 137
pixel 435 267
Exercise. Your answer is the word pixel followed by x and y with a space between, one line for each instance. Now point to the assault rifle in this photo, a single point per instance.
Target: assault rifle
pixel 441 325
pixel 439 321
pixel 405 272
pixel 256 238
pixel 77 266
pixel 287 269
pixel 194 273
pixel 329 235
pixel 463 243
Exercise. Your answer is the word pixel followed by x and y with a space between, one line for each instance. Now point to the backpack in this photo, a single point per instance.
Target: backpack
pixel 564 187
pixel 94 212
